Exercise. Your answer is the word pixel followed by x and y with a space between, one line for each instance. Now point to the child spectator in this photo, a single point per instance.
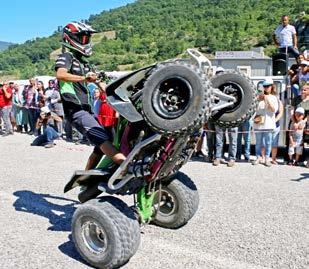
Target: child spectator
pixel 296 132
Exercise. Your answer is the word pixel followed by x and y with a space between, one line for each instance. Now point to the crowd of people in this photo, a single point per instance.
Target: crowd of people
pixel 265 124
pixel 266 121
pixel 38 111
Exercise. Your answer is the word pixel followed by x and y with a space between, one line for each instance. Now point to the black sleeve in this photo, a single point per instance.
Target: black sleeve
pixel 296 101
pixel 64 61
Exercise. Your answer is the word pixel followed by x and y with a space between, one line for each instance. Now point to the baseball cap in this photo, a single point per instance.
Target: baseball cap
pixel 268 81
pixel 45 109
pixel 300 110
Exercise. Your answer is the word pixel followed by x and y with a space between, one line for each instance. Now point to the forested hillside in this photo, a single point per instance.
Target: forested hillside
pixel 149 31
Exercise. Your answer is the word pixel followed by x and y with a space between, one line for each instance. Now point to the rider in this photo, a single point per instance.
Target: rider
pixel 74 73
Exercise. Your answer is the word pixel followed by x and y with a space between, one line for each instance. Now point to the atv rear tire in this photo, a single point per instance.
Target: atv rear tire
pixel 239 86
pixel 176 97
pixel 106 232
pixel 179 202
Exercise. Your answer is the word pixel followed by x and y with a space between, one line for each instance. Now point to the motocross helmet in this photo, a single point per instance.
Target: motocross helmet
pixel 77 36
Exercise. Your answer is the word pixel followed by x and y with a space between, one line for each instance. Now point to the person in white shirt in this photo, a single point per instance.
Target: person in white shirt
pixel 285 37
pixel 265 122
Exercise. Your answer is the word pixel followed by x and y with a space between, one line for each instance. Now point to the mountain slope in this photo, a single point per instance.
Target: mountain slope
pixel 149 31
pixel 4 45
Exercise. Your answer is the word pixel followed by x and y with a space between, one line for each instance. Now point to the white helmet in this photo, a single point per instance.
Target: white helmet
pixel 77 36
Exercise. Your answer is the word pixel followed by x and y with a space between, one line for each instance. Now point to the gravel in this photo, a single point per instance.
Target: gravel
pixel 249 217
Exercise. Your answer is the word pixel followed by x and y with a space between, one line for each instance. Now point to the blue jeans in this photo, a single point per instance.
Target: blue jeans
pixel 33 117
pixel 232 133
pixel 211 140
pixel 48 137
pixel 244 131
pixel 295 90
pixel 263 138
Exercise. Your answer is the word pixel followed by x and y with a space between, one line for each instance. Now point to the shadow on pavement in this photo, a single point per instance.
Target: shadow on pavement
pixel 304 176
pixel 58 215
pixel 69 249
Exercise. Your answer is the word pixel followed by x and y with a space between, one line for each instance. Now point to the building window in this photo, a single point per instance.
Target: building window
pixel 244 70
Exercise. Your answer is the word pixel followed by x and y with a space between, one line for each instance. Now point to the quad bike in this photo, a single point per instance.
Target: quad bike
pixel 162 108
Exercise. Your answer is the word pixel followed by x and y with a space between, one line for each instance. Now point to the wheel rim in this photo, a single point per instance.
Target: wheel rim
pixel 168 204
pixel 171 97
pixel 235 90
pixel 94 237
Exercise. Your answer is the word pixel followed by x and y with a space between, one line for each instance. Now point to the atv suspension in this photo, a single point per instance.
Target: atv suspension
pixel 145 202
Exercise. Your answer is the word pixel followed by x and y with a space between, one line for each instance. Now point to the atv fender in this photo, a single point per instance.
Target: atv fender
pixel 118 94
pixel 82 177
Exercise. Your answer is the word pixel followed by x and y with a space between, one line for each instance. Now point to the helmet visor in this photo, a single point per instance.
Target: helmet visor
pixel 84 39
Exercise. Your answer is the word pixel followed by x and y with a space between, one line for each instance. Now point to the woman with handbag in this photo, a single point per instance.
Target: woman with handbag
pixel 265 122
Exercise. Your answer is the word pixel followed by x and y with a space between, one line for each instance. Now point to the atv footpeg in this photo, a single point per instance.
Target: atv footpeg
pixel 139 168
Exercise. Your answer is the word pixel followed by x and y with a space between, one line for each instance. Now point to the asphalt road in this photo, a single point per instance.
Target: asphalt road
pixel 249 216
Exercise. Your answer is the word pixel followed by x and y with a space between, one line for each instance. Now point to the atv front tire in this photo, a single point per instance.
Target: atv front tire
pixel 240 87
pixel 106 232
pixel 175 98
pixel 179 202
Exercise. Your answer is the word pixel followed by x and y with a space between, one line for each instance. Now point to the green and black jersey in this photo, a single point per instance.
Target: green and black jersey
pixel 75 95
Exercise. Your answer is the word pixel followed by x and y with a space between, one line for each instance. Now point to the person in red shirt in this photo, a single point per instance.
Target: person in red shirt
pixel 6 107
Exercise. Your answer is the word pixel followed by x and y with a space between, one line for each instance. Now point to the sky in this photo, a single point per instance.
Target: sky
pixel 22 20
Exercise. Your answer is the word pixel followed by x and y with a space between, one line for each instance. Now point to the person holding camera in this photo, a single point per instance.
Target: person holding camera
pixel 74 72
pixel 265 122
pixel 46 119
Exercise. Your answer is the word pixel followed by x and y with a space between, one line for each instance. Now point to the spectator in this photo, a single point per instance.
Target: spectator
pixel 46 118
pixel 265 123
pixel 285 37
pixel 244 131
pixel 107 116
pixel 211 140
pixel 12 113
pixel 41 101
pixel 21 114
pixel 232 134
pixel 302 100
pixel 96 102
pixel 276 132
pixel 6 107
pixel 293 74
pixel 303 74
pixel 53 102
pixel 31 97
pixel 306 142
pixel 296 128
